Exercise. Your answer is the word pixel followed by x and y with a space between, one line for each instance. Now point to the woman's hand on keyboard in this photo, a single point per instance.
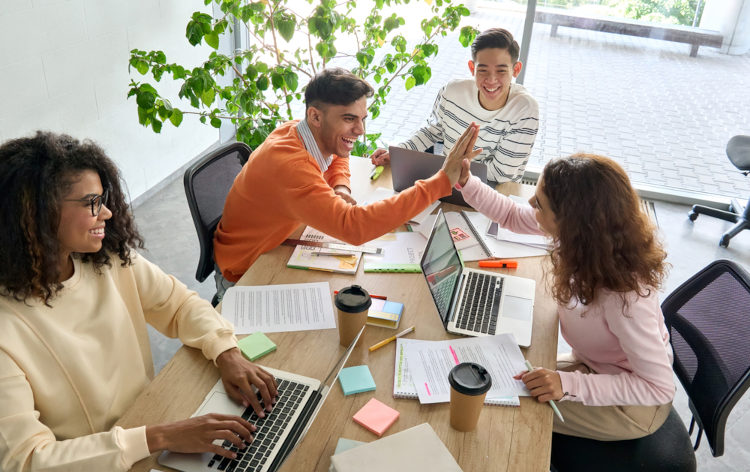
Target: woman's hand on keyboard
pixel 197 434
pixel 240 375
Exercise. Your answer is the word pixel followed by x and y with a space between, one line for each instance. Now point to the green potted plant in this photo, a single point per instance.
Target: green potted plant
pixel 289 42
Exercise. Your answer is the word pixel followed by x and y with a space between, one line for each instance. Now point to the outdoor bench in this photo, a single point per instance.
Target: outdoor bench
pixel 682 34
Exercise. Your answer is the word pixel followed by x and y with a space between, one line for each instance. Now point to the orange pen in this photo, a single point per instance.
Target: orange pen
pixel 499 263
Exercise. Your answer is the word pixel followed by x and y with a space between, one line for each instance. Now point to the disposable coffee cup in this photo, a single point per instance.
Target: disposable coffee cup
pixel 469 385
pixel 352 304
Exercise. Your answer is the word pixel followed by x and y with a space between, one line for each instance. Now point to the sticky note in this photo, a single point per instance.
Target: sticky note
pixel 385 313
pixel 356 379
pixel 256 346
pixel 376 416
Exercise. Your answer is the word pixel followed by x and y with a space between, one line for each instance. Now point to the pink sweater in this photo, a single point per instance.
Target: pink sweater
pixel 628 347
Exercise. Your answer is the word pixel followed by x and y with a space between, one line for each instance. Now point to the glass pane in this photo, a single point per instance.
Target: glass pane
pixel 608 80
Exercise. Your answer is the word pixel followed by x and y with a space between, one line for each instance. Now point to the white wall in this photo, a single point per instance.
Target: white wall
pixel 64 68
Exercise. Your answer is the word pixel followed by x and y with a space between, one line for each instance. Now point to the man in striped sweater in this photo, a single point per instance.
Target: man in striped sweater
pixel 507 115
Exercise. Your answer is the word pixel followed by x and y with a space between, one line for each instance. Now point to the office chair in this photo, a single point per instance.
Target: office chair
pixel 667 449
pixel 709 328
pixel 738 151
pixel 207 183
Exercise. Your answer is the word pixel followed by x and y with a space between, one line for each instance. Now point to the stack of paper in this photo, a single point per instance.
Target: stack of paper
pixel 330 260
pixel 279 308
pixel 491 247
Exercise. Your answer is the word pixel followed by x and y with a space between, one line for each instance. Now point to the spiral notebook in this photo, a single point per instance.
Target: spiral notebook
pixel 403 387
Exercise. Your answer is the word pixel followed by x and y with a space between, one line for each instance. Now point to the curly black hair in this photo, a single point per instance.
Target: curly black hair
pixel 35 175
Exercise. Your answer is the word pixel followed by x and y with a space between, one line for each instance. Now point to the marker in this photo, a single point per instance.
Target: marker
pixel 376 172
pixel 382 297
pixel 551 402
pixel 392 338
pixel 499 264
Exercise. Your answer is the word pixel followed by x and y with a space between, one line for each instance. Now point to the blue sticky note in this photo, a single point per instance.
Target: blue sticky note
pixel 356 379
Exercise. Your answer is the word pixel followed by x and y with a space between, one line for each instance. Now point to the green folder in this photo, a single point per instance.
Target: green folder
pixel 256 346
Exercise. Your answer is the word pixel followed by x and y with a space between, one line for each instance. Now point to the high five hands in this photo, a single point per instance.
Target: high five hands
pixel 461 154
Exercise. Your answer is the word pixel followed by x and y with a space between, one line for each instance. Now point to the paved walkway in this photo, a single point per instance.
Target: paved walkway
pixel 662 114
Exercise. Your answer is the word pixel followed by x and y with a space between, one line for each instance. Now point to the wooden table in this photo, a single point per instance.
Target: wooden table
pixel 506 439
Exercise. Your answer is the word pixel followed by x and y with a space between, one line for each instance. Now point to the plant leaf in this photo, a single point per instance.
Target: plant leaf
pixel 176 117
pixel 212 39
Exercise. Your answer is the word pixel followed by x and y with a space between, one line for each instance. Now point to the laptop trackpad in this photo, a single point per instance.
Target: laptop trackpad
pixel 219 402
pixel 517 308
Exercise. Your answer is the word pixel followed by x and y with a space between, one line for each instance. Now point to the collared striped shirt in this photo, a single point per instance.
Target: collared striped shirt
pixel 312 146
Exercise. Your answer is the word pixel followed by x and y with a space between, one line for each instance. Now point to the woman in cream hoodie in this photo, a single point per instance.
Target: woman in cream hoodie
pixel 75 298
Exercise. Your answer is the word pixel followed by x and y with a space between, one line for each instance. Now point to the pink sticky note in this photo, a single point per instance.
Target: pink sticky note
pixel 376 416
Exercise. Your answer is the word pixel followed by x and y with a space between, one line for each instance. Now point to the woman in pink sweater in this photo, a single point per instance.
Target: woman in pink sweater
pixel 604 272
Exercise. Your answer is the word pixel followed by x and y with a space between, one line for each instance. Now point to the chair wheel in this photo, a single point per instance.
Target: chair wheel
pixel 724 241
pixel 692 215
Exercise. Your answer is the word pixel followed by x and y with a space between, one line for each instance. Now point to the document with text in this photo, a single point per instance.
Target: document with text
pixel 430 362
pixel 279 308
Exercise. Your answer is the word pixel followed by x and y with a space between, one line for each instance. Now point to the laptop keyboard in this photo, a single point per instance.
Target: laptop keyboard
pixel 481 303
pixel 270 429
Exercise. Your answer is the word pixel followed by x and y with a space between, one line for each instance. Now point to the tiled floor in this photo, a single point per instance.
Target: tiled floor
pixel 171 242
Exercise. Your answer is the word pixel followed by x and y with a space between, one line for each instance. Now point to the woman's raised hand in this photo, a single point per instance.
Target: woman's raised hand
pixel 461 151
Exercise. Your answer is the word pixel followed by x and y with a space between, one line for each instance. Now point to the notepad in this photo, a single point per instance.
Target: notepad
pixel 402 252
pixel 385 313
pixel 376 416
pixel 356 379
pixel 403 386
pixel 256 346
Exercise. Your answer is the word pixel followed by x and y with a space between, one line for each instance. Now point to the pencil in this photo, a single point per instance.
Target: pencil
pixel 387 340
pixel 551 402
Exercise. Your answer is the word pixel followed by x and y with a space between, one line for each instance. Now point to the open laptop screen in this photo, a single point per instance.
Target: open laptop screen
pixel 441 266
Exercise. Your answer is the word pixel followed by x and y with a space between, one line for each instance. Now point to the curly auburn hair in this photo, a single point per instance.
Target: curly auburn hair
pixel 35 175
pixel 604 240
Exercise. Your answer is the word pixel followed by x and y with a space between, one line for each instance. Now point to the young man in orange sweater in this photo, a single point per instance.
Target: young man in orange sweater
pixel 300 175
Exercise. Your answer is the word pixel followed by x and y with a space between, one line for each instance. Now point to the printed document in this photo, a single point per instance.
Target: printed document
pixel 279 308
pixel 430 362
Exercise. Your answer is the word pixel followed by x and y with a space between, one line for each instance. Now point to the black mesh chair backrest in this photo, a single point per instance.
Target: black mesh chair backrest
pixel 207 183
pixel 708 318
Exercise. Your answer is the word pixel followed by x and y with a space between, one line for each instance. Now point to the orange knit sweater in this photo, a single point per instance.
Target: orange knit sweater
pixel 281 187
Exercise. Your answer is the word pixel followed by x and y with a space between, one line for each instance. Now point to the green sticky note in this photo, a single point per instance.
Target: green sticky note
pixel 356 379
pixel 256 346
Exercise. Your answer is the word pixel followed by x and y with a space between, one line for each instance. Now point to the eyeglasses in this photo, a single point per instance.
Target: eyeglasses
pixel 95 203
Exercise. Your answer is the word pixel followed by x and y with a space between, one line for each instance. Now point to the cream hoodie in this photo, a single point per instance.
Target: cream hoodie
pixel 69 371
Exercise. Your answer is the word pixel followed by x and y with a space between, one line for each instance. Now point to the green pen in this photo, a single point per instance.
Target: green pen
pixel 376 172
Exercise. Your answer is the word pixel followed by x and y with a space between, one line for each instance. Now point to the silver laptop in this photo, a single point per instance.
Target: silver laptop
pixel 475 302
pixel 408 166
pixel 300 398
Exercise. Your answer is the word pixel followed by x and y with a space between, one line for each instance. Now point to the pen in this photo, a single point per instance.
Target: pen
pixel 381 297
pixel 386 341
pixel 376 172
pixel 551 402
pixel 501 264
